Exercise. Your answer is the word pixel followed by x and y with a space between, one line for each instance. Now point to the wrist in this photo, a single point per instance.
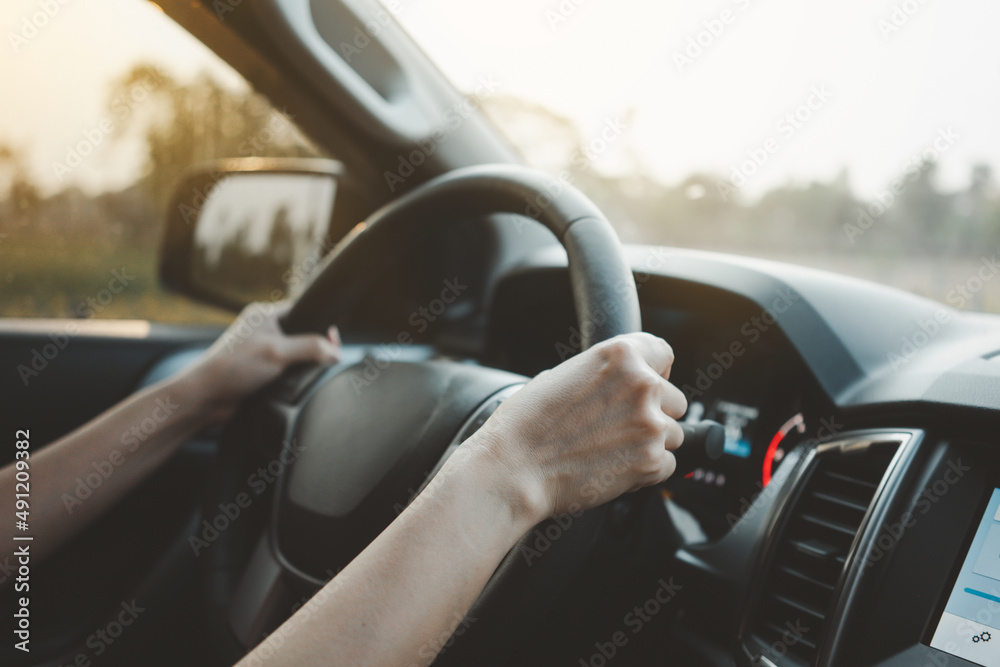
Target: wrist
pixel 206 405
pixel 515 488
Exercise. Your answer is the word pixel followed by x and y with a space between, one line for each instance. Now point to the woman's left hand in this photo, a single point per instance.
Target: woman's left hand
pixel 254 351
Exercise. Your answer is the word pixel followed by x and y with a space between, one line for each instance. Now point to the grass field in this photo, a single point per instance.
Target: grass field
pixel 935 278
pixel 49 276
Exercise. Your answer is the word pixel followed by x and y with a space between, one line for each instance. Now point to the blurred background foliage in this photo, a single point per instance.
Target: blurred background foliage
pixel 928 240
pixel 58 249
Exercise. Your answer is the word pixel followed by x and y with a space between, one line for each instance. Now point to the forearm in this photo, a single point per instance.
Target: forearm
pixel 77 478
pixel 402 597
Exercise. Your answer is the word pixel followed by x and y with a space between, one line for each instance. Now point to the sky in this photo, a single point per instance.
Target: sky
pixel 55 83
pixel 895 73
pixel 877 97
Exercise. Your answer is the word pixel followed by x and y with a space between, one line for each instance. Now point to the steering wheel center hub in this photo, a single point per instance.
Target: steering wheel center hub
pixel 365 448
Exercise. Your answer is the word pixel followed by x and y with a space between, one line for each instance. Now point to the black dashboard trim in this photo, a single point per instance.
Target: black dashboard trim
pixel 855 574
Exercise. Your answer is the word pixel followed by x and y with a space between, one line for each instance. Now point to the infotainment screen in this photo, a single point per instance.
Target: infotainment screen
pixel 970 625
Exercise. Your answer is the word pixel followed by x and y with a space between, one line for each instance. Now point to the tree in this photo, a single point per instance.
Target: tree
pixel 186 124
pixel 20 193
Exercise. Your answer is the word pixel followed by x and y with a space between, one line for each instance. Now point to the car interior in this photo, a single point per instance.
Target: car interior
pixel 837 500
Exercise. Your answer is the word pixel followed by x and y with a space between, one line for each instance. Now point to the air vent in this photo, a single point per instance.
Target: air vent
pixel 809 556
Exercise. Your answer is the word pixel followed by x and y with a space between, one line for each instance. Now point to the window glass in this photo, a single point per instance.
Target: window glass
pixel 106 105
pixel 857 136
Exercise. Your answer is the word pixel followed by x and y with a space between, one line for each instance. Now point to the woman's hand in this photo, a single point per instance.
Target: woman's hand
pixel 590 429
pixel 254 351
pixel 596 426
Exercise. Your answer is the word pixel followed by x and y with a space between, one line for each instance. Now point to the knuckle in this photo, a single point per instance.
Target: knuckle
pixel 645 385
pixel 663 345
pixel 682 403
pixel 677 404
pixel 669 466
pixel 271 352
pixel 668 352
pixel 652 424
pixel 650 462
pixel 315 348
pixel 674 436
pixel 616 351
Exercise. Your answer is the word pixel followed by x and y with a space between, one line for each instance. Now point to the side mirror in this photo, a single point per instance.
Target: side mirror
pixel 252 229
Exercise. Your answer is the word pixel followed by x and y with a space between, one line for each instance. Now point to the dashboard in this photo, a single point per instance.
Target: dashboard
pixel 757 398
pixel 732 363
pixel 854 518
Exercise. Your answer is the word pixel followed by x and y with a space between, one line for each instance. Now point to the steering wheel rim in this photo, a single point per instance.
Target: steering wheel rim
pixel 606 300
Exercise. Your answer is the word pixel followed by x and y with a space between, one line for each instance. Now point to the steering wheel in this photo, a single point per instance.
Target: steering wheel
pixel 361 454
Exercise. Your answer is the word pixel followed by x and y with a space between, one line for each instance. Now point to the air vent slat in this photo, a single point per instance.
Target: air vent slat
pixel 852 480
pixel 843 529
pixel 778 633
pixel 798 574
pixel 838 499
pixel 808 560
pixel 799 606
pixel 814 549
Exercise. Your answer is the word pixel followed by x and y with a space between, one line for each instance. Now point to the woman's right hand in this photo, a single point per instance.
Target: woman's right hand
pixel 598 425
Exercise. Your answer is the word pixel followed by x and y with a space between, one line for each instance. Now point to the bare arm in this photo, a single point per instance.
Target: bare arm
pixel 397 603
pixel 80 476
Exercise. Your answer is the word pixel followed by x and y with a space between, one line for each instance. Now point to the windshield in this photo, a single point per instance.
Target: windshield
pixel 857 136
